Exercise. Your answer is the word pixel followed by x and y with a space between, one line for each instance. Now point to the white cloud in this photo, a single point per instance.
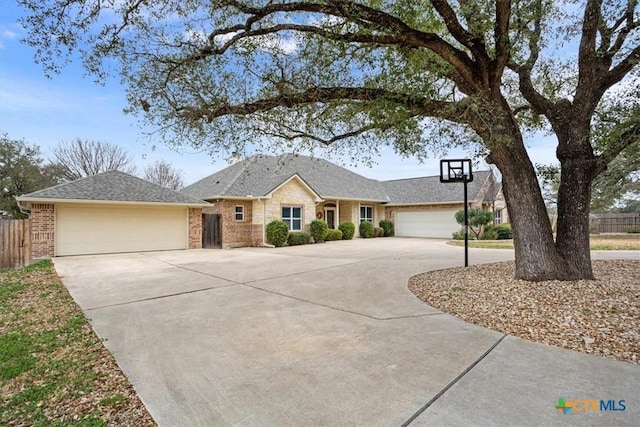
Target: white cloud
pixel 7 34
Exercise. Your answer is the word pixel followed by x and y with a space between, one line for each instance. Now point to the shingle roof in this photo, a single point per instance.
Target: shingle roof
pixel 113 186
pixel 260 174
pixel 430 190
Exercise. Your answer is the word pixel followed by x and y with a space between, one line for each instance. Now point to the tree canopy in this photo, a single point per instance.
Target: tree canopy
pixel 162 173
pixel 359 75
pixel 79 158
pixel 22 171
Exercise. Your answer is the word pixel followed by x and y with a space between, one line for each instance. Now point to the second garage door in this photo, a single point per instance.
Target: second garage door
pixel 427 223
pixel 98 229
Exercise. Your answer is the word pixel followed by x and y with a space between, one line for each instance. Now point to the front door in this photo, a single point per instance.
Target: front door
pixel 330 217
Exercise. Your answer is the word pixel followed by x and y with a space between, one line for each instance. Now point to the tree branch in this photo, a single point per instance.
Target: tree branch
pixel 391 30
pixel 413 103
pixel 502 41
pixel 471 41
pixel 618 72
pixel 629 136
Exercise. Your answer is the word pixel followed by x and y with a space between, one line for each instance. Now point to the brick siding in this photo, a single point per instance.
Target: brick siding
pixel 42 230
pixel 195 228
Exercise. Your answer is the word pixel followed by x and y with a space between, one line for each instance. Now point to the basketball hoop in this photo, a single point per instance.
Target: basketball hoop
pixel 459 170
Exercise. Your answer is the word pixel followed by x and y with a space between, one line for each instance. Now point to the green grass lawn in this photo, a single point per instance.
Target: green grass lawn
pixel 598 243
pixel 54 371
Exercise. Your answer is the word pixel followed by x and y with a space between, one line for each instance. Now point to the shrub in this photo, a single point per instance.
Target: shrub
pixel 633 230
pixel 366 229
pixel 477 219
pixel 378 232
pixel 333 235
pixel 277 233
pixel 459 235
pixel 348 230
pixel 504 231
pixel 298 238
pixel 387 226
pixel 318 230
pixel 489 233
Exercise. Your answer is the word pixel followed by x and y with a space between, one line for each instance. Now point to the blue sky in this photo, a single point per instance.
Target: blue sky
pixel 47 111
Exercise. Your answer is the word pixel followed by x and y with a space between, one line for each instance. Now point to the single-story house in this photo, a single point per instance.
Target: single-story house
pixel 116 212
pixel 249 194
pixel 111 212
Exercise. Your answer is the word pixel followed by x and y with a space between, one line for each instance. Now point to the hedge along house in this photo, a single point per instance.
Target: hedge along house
pixel 296 189
pixel 111 212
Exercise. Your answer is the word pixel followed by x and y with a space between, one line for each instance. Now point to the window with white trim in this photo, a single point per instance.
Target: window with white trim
pixel 366 213
pixel 292 215
pixel 239 213
pixel 497 217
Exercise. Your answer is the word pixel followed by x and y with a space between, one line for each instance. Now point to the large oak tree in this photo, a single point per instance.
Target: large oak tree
pixel 358 75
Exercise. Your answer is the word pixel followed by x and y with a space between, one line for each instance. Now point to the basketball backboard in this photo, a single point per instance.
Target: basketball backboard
pixel 455 170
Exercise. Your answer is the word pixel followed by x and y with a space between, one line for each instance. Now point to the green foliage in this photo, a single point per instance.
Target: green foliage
pixel 22 171
pixel 477 220
pixel 277 232
pixel 366 229
pixel 387 226
pixel 503 231
pixel 489 233
pixel 318 230
pixel 378 232
pixel 333 235
pixel 459 235
pixel 633 230
pixel 298 238
pixel 348 230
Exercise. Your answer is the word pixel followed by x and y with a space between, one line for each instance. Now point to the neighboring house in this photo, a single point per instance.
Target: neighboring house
pixel 247 195
pixel 111 212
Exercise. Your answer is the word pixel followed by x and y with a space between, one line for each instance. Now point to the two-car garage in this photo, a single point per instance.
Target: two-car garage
pixel 105 228
pixel 111 212
pixel 426 223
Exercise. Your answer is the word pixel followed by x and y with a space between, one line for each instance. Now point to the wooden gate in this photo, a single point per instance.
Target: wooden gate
pixel 15 243
pixel 211 231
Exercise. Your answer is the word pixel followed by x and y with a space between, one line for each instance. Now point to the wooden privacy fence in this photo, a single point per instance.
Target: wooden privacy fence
pixel 615 223
pixel 15 243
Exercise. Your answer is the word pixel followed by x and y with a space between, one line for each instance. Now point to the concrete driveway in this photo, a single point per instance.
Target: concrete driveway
pixel 325 335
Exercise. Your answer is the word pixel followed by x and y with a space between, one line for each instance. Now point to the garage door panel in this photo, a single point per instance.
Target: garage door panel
pixel 106 229
pixel 426 223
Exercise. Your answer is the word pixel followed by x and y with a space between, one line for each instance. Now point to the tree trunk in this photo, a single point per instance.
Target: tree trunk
pixel 574 197
pixel 537 257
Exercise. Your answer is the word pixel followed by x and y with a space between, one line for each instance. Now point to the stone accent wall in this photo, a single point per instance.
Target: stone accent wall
pixel 42 230
pixel 195 228
pixel 293 193
pixel 349 212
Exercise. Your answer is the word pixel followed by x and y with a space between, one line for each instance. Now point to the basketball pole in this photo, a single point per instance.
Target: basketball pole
pixel 466 223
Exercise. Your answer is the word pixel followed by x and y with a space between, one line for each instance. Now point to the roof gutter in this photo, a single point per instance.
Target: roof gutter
pixel 449 202
pixel 109 202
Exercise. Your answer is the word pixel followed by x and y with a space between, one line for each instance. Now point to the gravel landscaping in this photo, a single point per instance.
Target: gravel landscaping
pixel 600 317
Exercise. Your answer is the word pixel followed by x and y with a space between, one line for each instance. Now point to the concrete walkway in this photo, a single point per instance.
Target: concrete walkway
pixel 326 335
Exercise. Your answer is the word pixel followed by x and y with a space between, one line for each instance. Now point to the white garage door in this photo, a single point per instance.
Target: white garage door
pixel 428 223
pixel 96 229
